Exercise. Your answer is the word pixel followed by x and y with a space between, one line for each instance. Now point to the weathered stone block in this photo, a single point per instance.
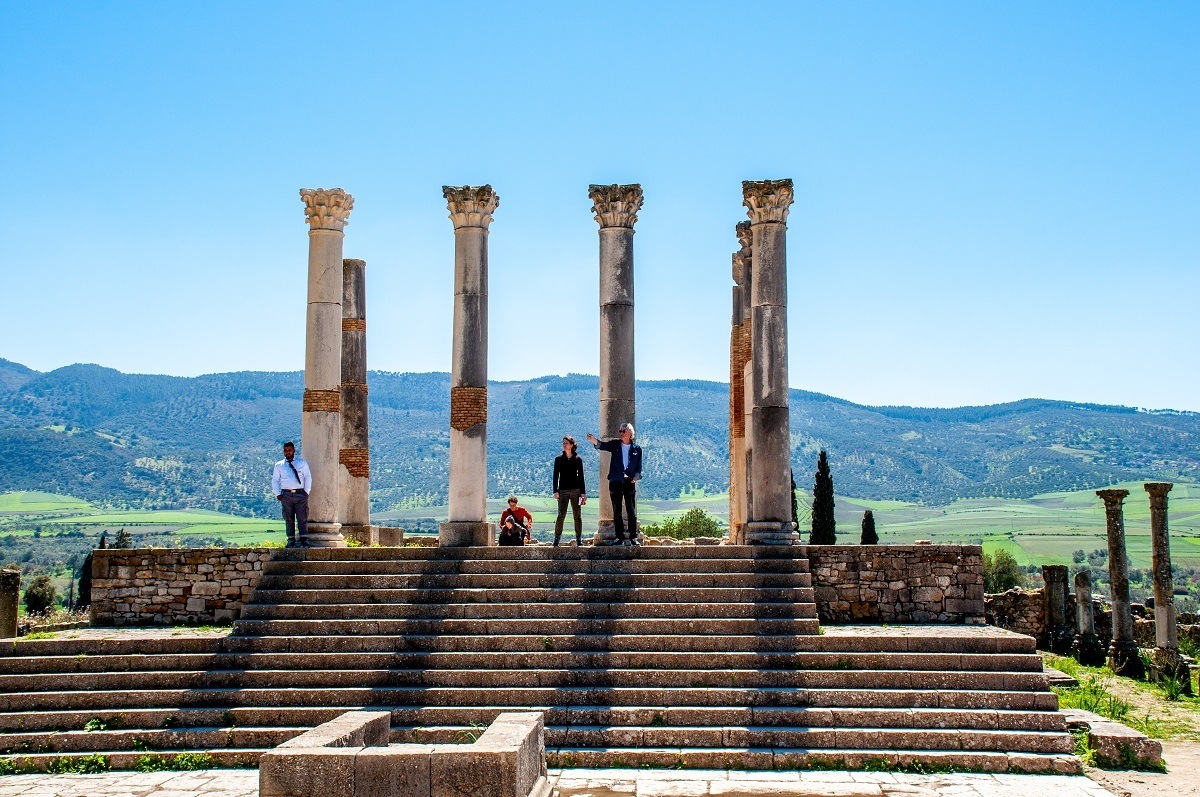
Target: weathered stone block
pixel 308 772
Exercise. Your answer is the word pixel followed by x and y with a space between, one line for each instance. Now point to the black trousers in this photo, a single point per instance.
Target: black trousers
pixel 624 493
pixel 295 512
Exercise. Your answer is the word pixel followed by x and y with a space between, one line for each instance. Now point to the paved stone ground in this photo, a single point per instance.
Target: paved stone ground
pixel 596 783
pixel 1182 778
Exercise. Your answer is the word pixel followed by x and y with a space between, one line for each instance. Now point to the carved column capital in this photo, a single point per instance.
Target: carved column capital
pixel 1158 492
pixel 616 205
pixel 745 237
pixel 767 200
pixel 326 208
pixel 1112 498
pixel 471 205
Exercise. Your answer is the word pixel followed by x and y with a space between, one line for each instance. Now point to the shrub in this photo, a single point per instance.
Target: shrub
pixel 1001 572
pixel 41 595
pixel 692 523
pixel 124 539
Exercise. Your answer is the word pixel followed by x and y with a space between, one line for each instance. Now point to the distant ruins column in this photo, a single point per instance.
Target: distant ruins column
pixel 471 209
pixel 616 208
pixel 10 592
pixel 355 485
pixel 327 211
pixel 770 516
pixel 1059 629
pixel 1087 648
pixel 739 341
pixel 1167 661
pixel 1123 654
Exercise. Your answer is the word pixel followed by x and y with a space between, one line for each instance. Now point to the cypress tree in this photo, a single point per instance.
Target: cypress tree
pixel 869 537
pixel 824 530
pixel 795 503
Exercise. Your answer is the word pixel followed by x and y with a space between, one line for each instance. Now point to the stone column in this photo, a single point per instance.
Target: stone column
pixel 616 208
pixel 1059 631
pixel 1167 661
pixel 1123 654
pixel 471 209
pixel 737 394
pixel 1087 648
pixel 746 242
pixel 327 211
pixel 10 595
pixel 355 458
pixel 770 518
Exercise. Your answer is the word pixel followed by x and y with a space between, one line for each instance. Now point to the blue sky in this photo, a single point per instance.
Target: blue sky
pixel 994 200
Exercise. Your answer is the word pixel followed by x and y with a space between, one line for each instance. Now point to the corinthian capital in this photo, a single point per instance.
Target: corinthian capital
pixel 616 205
pixel 1112 498
pixel 745 236
pixel 1158 491
pixel 767 200
pixel 326 208
pixel 471 205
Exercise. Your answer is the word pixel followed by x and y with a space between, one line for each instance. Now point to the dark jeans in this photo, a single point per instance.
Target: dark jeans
pixel 295 512
pixel 626 492
pixel 565 498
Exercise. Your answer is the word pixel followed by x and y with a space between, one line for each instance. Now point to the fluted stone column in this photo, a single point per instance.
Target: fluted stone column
pixel 616 208
pixel 1123 653
pixel 471 209
pixel 1088 648
pixel 770 519
pixel 355 458
pixel 1167 661
pixel 10 592
pixel 1059 629
pixel 327 211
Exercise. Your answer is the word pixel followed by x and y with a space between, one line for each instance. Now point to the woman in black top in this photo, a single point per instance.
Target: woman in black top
pixel 569 489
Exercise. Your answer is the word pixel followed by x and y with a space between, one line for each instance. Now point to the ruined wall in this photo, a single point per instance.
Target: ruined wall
pixel 165 586
pixel 897 583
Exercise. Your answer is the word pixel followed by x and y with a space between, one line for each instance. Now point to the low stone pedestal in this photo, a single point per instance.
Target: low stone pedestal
pixel 10 590
pixel 390 537
pixel 350 757
pixel 771 533
pixel 460 534
pixel 382 536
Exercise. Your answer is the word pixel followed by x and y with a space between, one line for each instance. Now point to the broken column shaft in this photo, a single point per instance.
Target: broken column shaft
pixel 354 457
pixel 1123 653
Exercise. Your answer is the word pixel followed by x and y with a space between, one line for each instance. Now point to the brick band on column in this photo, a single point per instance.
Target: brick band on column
pixel 356 460
pixel 322 400
pixel 737 382
pixel 468 407
pixel 354 325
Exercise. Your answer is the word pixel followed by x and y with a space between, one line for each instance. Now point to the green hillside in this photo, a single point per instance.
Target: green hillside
pixel 140 442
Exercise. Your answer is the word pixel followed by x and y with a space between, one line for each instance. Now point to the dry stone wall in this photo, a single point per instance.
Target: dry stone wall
pixel 164 586
pixel 897 583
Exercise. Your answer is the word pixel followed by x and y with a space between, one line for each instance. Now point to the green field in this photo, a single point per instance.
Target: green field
pixel 1045 529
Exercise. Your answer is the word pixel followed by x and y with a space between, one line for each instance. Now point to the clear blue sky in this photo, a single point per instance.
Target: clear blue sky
pixel 994 200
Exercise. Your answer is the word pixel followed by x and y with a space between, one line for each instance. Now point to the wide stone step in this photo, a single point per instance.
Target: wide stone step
pixel 572 676
pixel 625 696
pixel 525 553
pixel 534 566
pixel 710 595
pixel 566 716
pixel 118 759
pixel 618 581
pixel 807 759
pixel 81 741
pixel 769 736
pixel 530 625
pixel 545 659
pixel 510 611
pixel 692 758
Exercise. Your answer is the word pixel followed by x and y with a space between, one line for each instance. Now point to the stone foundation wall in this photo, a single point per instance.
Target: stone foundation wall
pixel 165 586
pixel 897 583
pixel 853 584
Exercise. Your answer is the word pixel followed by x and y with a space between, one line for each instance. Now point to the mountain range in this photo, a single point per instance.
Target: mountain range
pixel 146 441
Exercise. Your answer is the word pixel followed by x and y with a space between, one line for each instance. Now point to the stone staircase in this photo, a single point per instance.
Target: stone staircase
pixel 696 656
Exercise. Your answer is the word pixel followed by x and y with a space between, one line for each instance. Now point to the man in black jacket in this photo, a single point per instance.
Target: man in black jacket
pixel 624 472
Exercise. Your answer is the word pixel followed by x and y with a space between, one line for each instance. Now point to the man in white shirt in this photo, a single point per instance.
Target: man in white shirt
pixel 291 481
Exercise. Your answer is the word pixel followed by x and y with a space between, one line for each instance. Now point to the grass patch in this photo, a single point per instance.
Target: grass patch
pixel 183 762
